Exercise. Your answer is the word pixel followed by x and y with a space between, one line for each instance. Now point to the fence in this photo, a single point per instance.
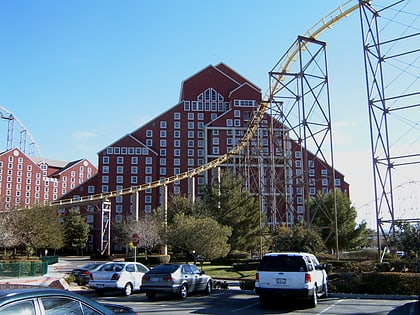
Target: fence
pixel 23 269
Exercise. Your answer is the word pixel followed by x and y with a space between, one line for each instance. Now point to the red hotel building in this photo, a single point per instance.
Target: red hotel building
pixel 210 118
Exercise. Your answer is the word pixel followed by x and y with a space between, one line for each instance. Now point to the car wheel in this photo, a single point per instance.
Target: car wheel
pixel 150 295
pixel 263 301
pixel 99 292
pixel 313 302
pixel 128 289
pixel 208 288
pixel 183 291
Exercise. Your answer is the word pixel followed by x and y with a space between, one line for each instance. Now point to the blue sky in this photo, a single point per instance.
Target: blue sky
pixel 82 74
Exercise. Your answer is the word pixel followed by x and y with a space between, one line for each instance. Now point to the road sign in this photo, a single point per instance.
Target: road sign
pixel 135 239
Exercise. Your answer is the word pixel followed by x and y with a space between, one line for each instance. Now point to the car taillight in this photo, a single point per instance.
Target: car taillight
pixel 146 278
pixel 85 273
pixel 257 276
pixel 167 278
pixel 115 276
pixel 308 277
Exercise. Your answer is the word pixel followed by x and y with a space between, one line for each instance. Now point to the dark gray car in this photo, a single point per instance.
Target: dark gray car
pixel 177 279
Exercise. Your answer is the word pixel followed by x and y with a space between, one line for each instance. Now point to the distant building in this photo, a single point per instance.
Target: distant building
pixel 26 181
pixel 210 118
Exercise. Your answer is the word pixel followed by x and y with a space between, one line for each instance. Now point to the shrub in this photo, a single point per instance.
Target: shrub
pixel 247 284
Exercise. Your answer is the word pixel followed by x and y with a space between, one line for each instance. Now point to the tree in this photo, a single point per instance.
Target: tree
pixel 408 239
pixel 37 228
pixel 76 231
pixel 297 239
pixel 230 205
pixel 204 236
pixel 350 234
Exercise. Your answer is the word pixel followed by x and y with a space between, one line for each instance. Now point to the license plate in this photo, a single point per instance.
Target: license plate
pixel 100 285
pixel 281 280
pixel 154 279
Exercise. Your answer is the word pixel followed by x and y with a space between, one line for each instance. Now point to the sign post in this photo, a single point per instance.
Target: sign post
pixel 135 241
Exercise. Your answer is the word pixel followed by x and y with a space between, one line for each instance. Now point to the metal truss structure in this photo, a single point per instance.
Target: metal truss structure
pixel 393 108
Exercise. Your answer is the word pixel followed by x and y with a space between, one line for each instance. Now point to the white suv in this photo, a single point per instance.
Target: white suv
pixel 291 275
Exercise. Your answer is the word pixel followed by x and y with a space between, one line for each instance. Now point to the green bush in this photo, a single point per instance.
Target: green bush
pixel 375 283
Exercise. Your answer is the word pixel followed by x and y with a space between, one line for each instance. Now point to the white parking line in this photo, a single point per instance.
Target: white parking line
pixel 329 307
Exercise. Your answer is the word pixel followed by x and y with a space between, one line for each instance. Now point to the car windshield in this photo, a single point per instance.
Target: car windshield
pixel 164 269
pixel 282 263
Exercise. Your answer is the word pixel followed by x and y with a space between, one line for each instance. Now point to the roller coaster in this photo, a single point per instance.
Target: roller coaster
pixel 275 103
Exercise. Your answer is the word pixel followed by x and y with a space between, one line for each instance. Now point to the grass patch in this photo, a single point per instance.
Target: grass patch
pixel 228 272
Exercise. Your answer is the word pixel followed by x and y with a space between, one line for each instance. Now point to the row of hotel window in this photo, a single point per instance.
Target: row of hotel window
pixel 215 104
pixel 44 167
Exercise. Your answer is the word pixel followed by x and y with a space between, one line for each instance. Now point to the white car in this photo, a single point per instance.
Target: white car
pixel 290 274
pixel 123 276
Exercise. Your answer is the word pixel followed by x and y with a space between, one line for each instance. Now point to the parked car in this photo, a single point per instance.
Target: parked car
pixel 123 276
pixel 290 275
pixel 41 301
pixel 82 274
pixel 176 279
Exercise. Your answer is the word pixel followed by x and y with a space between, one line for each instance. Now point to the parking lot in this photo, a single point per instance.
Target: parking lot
pixel 246 303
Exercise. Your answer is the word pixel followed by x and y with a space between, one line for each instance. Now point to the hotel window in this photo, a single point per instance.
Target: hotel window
pixel 134 170
pixel 120 179
pixel 109 150
pixel 299 172
pixel 147 199
pixel 134 180
pixel 104 188
pixel 190 116
pixel 162 161
pixel 123 150
pixel 200 143
pixel 177 115
pixel 91 189
pixel 337 182
pixel 324 190
pixel 190 125
pixel 311 181
pixel 149 133
pixel 177 143
pixel 177 152
pixel 300 209
pixel 324 182
pixel 311 172
pixel 177 162
pixel 138 151
pixel 190 152
pixel 299 200
pixel 311 164
pixel 118 208
pixel 163 133
pixel 148 170
pixel 163 124
pixel 149 160
pixel 298 154
pixel 120 160
pixel 229 122
pixel 116 150
pixel 215 150
pixel 120 169
pixel 312 191
pixel 200 135
pixel 177 134
pixel 190 162
pixel 162 152
pixel 163 143
pixel 177 125
pixel 237 113
pixel 105 179
pixel 200 116
pixel 298 163
pixel 200 125
pixel 134 160
pixel 162 171
pixel 105 169
pixel 237 123
pixel 215 141
pixel 186 105
pixel 299 191
pixel 191 143
pixel 131 150
pixel 149 142
pixel 213 116
pixel 177 170
pixel 324 172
